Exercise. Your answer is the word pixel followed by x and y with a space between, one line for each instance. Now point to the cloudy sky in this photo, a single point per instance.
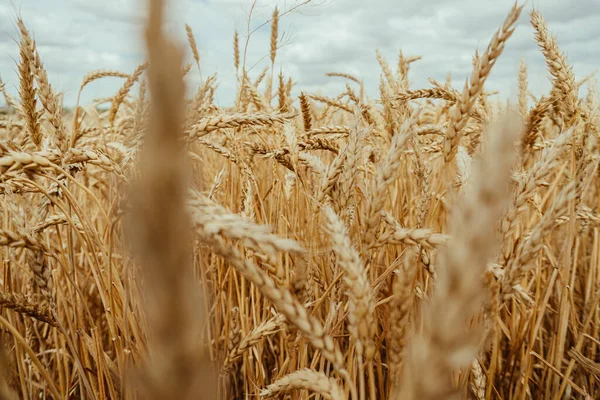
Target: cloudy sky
pixel 77 36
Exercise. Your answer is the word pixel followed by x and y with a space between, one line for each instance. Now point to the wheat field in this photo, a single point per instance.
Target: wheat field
pixel 429 243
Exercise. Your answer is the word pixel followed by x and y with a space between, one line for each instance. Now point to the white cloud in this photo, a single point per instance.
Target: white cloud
pixel 76 36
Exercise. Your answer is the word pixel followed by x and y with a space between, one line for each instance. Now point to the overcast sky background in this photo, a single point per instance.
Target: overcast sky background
pixel 77 36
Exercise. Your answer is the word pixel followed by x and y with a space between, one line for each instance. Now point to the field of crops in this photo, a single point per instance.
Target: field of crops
pixel 430 243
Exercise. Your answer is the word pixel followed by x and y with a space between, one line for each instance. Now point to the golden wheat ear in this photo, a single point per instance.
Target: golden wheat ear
pixel 27 90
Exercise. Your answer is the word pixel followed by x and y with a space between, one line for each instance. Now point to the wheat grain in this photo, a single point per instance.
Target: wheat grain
pixel 306 379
